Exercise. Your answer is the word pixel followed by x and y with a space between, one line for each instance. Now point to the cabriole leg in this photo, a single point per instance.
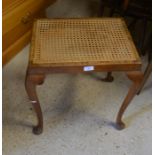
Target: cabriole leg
pixel 108 78
pixel 30 84
pixel 136 77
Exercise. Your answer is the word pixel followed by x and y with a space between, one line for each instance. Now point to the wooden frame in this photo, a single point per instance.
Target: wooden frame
pixel 36 78
pixel 38 69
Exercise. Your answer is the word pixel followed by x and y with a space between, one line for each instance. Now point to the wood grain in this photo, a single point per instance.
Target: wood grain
pixel 18 16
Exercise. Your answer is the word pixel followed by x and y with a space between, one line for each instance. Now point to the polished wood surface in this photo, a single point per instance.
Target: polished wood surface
pixel 136 77
pixel 12 50
pixel 17 21
pixel 19 30
pixel 30 85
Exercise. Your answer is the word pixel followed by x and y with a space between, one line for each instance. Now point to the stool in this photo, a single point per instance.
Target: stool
pixel 81 46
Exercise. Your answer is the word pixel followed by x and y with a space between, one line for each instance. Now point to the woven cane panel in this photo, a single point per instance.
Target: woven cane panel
pixel 82 42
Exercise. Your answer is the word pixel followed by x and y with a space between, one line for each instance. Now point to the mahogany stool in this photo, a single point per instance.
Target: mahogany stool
pixel 81 45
